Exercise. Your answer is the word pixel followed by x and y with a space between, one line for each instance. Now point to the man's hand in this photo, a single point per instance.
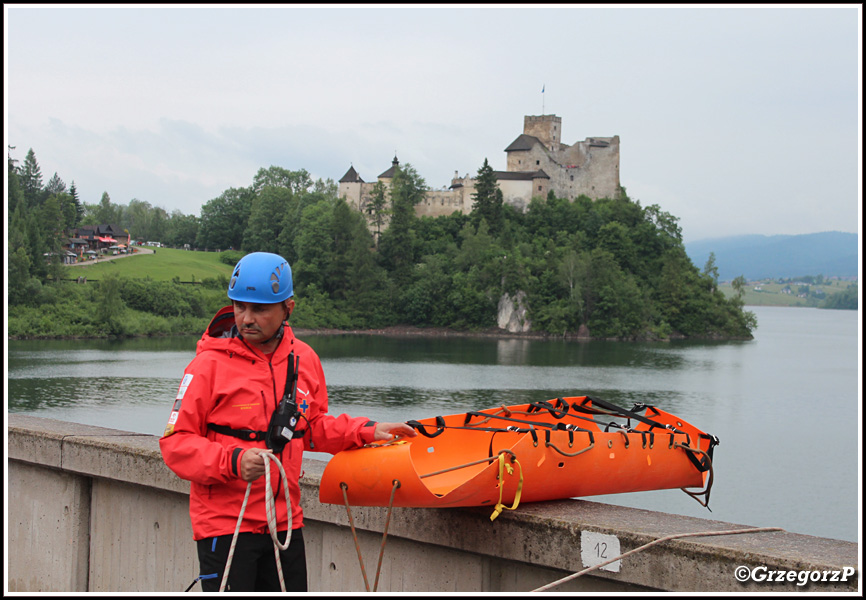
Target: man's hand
pixel 252 464
pixel 386 431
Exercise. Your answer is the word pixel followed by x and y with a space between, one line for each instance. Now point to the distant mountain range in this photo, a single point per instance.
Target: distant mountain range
pixel 829 253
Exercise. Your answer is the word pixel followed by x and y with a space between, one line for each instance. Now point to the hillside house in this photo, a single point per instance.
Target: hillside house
pixel 99 238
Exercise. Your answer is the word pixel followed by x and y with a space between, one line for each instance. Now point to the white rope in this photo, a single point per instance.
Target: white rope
pixel 653 543
pixel 270 512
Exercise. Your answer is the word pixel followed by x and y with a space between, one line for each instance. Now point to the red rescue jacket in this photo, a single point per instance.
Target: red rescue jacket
pixel 230 383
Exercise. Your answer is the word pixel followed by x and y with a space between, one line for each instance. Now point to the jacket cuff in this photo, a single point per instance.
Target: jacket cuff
pixel 368 432
pixel 236 461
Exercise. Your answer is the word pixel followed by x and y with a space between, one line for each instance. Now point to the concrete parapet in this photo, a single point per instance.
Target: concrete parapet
pixel 95 509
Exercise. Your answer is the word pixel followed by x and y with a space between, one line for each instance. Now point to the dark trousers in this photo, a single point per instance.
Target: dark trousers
pixel 254 567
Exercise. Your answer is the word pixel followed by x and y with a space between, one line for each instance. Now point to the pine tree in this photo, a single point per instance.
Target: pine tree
pixel 79 209
pixel 15 194
pixel 31 179
pixel 55 185
pixel 487 199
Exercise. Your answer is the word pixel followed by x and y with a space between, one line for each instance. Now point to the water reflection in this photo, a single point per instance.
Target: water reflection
pixel 83 393
pixel 772 401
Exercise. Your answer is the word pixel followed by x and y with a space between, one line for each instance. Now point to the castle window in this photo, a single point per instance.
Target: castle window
pixel 572 177
pixel 538 162
pixel 539 188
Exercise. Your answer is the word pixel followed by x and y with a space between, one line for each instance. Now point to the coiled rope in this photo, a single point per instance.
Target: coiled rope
pixel 270 512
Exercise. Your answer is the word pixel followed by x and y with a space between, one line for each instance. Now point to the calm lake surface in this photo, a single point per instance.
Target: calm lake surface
pixel 786 406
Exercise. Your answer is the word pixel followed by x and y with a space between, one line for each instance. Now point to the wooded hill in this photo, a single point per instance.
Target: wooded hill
pixel 607 268
pixel 756 257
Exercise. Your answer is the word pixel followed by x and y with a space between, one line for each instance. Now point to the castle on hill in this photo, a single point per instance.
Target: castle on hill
pixel 537 163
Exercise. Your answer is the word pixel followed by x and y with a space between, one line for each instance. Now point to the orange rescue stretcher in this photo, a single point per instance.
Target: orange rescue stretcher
pixel 562 448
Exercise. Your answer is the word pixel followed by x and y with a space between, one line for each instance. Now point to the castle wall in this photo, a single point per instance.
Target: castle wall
pixel 439 203
pixel 537 158
pixel 590 167
pixel 596 176
pixel 516 192
pixel 351 191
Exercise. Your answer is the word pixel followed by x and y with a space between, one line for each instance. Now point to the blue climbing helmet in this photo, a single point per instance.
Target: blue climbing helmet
pixel 261 277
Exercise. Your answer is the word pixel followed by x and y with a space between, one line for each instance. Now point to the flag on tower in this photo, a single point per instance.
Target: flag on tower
pixel 542 88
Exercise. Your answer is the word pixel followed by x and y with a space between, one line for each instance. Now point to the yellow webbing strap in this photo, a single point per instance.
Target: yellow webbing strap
pixel 502 467
pixel 395 441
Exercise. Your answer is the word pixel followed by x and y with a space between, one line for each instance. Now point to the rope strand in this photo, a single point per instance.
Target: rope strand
pixel 653 543
pixel 270 512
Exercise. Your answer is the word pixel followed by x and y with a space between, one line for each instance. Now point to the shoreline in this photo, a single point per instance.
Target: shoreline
pixel 409 331
pixel 412 331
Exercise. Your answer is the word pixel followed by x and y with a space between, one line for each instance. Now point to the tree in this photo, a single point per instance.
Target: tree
pixel 79 208
pixel 312 246
pixel 377 208
pixel 342 233
pixel 264 224
pixel 104 211
pixel 296 181
pixel 487 199
pixel 55 185
pixel 711 272
pixel 614 237
pixel 68 208
pixel 137 218
pixel 665 223
pixel 739 284
pixel 159 224
pixel 397 248
pixel 181 229
pixel 31 179
pixel 224 219
pixel 15 194
pixel 19 275
pixel 110 305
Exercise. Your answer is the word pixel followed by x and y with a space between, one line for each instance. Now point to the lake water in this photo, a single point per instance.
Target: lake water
pixel 786 406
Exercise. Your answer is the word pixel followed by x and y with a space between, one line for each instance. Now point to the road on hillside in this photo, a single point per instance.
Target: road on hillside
pixel 110 257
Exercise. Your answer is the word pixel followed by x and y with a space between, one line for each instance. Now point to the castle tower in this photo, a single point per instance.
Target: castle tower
pixel 350 188
pixel 547 128
pixel 389 174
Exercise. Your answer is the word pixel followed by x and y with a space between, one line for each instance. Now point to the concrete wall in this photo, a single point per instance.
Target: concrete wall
pixel 94 509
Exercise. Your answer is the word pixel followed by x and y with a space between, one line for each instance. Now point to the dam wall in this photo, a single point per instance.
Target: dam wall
pixel 91 509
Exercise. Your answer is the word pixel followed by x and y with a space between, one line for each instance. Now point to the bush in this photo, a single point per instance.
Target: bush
pixel 231 257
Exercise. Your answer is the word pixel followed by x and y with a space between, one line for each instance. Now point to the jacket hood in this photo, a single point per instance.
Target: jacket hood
pixel 221 335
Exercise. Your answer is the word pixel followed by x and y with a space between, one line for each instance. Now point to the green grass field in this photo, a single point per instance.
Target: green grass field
pixel 769 293
pixel 164 265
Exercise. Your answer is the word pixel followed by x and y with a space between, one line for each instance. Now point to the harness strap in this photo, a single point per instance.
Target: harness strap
pixel 440 427
pixel 244 434
pixel 617 410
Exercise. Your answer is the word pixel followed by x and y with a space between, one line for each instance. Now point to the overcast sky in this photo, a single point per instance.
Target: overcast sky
pixel 735 119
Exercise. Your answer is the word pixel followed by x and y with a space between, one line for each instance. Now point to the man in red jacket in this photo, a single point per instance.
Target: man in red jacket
pixel 225 416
